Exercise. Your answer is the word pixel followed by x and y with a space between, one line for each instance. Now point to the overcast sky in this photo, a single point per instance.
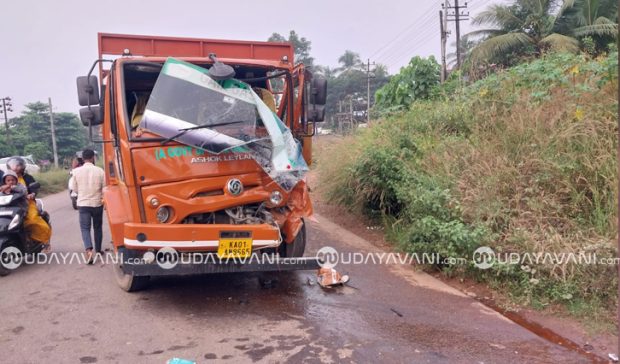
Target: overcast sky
pixel 47 44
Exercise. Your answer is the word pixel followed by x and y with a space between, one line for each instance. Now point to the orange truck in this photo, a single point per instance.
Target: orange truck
pixel 205 145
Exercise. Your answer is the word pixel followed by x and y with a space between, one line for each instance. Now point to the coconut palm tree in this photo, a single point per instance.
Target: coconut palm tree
pixel 466 45
pixel 589 18
pixel 526 26
pixel 349 60
pixel 327 71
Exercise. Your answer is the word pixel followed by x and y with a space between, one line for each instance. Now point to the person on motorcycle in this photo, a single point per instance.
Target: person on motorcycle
pixel 34 224
pixel 10 184
pixel 78 161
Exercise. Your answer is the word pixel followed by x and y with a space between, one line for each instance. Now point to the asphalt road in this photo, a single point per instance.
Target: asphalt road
pixel 75 313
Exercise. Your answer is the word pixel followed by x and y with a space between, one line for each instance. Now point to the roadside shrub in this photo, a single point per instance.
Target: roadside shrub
pixel 52 181
pixel 523 161
pixel 416 81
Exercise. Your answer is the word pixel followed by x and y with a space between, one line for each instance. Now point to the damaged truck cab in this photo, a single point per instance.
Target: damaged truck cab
pixel 205 146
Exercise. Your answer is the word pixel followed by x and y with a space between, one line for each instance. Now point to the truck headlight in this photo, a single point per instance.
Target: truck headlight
pixel 275 198
pixel 16 220
pixel 163 214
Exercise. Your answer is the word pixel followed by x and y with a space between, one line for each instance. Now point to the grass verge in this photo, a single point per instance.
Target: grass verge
pixel 52 181
pixel 523 162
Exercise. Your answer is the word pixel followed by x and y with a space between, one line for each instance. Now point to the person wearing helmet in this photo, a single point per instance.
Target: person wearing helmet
pixel 10 184
pixel 78 161
pixel 34 224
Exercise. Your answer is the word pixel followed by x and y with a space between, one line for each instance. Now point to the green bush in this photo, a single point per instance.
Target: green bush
pixel 522 161
pixel 416 81
pixel 52 181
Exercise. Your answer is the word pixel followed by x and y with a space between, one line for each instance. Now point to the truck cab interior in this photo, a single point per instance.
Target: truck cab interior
pixel 139 79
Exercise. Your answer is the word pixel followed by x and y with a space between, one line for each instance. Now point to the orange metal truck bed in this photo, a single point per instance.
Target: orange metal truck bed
pixel 145 45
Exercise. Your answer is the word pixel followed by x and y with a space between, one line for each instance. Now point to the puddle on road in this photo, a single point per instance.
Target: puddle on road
pixel 275 316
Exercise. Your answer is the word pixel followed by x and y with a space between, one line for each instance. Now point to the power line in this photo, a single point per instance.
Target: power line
pixel 476 5
pixel 410 51
pixel 407 40
pixel 398 52
pixel 414 23
pixel 386 48
pixel 420 39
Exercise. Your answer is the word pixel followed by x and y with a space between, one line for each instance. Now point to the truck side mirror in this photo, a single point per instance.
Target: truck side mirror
pixel 91 116
pixel 318 99
pixel 316 113
pixel 88 90
pixel 319 90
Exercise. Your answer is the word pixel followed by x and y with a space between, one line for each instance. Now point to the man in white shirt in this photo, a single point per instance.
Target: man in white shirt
pixel 87 182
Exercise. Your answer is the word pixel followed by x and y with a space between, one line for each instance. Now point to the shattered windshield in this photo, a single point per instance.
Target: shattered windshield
pixel 222 116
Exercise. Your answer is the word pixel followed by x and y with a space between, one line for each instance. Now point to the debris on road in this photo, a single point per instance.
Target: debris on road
pixel 180 361
pixel 396 312
pixel 329 277
pixel 613 357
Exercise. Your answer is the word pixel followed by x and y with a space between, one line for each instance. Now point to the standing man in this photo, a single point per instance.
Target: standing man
pixel 88 182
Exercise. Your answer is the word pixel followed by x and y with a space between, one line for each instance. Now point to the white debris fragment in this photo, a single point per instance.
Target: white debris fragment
pixel 329 277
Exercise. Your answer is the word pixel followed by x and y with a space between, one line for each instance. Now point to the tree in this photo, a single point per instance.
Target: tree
pixel 589 19
pixel 31 133
pixel 466 45
pixel 526 27
pixel 349 60
pixel 353 83
pixel 418 80
pixel 301 47
pixel 70 134
pixel 6 149
pixel 326 71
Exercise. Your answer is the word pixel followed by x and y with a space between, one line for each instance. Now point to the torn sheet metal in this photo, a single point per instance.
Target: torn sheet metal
pixel 222 116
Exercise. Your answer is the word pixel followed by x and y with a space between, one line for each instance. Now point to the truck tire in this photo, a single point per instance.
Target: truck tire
pixel 297 247
pixel 129 282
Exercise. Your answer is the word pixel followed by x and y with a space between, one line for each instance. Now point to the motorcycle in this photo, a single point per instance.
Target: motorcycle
pixel 14 240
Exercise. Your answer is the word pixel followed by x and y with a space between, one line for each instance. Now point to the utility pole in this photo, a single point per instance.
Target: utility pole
pixel 457 16
pixel 443 46
pixel 6 107
pixel 53 133
pixel 368 90
pixel 351 108
pixel 458 33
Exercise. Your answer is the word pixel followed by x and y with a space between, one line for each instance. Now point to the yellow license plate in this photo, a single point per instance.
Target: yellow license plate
pixel 234 248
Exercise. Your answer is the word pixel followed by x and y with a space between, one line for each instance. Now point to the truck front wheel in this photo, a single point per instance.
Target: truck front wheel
pixel 297 247
pixel 129 282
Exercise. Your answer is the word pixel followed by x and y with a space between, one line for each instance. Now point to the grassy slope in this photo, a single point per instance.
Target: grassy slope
pixel 52 181
pixel 522 161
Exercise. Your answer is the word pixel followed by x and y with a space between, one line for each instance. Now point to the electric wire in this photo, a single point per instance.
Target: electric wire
pixel 401 33
pixel 394 44
pixel 396 52
pixel 422 38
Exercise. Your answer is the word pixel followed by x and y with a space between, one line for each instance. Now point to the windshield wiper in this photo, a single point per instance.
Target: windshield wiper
pixel 185 130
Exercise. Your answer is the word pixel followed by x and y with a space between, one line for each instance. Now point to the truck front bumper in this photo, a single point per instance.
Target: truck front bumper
pixel 211 267
pixel 195 237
